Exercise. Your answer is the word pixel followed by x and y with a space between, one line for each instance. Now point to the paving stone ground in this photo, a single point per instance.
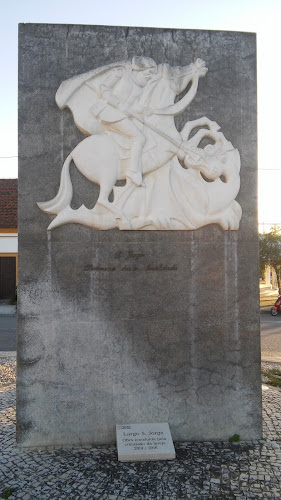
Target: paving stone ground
pixel 220 470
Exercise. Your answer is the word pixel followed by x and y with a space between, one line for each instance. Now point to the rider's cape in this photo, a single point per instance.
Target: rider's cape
pixel 78 94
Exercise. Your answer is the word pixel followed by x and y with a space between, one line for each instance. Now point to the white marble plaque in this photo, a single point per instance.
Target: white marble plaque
pixel 141 442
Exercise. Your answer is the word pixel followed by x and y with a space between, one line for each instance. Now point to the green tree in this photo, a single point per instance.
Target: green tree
pixel 270 252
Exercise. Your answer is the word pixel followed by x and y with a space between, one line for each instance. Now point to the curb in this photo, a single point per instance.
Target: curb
pixel 7 310
pixel 270 359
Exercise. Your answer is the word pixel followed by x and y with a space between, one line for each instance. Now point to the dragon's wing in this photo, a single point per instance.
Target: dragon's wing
pixel 78 94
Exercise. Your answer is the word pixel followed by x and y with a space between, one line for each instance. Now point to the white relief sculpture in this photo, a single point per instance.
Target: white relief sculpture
pixel 171 183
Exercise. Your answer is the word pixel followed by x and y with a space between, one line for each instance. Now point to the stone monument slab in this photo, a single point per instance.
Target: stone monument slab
pixel 134 306
pixel 144 442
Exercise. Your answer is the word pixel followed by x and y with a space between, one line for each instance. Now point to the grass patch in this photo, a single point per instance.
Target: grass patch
pixel 234 439
pixel 7 493
pixel 273 377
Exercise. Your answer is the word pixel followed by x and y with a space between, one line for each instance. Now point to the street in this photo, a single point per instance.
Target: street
pixel 8 328
pixel 270 336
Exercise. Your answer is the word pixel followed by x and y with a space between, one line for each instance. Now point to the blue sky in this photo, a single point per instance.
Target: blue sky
pixel 260 16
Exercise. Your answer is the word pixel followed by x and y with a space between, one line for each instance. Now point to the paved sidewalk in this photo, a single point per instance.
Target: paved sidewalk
pixel 8 310
pixel 218 470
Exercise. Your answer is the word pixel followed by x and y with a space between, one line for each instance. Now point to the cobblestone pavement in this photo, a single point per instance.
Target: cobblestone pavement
pixel 217 470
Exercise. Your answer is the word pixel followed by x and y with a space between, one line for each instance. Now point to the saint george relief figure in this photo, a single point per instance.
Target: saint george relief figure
pixel 127 110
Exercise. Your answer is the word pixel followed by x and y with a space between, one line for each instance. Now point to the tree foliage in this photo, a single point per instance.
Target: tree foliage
pixel 270 251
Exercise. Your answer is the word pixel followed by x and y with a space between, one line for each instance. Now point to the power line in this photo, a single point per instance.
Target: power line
pixel 5 157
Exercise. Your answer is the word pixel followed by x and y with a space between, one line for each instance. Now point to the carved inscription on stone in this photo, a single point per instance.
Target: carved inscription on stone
pixel 149 267
pixel 127 110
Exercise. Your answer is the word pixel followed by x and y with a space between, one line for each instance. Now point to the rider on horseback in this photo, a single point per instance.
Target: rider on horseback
pixel 122 93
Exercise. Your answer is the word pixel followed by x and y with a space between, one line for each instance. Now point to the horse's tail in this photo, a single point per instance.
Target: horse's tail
pixel 64 196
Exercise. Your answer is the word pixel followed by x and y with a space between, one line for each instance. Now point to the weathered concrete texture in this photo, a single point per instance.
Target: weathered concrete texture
pixel 127 327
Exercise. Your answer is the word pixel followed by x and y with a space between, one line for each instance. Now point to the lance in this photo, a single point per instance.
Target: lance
pixel 194 157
